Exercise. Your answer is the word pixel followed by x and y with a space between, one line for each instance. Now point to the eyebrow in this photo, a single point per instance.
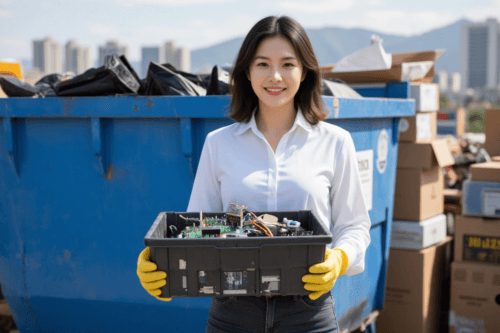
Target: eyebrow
pixel 266 58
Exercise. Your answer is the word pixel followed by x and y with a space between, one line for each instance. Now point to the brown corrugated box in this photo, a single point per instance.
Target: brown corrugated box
pixel 487 171
pixel 420 128
pixel 492 132
pixel 424 155
pixel 403 65
pixel 420 181
pixel 477 239
pixel 475 298
pixel 413 299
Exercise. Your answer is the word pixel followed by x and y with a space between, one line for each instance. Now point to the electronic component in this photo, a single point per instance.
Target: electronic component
pixel 238 222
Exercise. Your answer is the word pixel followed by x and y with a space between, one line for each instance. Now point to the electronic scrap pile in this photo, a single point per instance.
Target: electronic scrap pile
pixel 238 222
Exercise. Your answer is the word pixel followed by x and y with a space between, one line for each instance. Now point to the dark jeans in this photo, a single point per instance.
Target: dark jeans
pixel 274 314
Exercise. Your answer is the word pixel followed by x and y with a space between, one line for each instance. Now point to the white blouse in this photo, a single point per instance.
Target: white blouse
pixel 314 168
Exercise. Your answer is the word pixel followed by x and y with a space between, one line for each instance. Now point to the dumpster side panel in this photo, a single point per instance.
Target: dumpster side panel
pixel 79 195
pixel 359 295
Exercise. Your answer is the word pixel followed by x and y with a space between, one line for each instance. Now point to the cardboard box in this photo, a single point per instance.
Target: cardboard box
pixel 413 66
pixel 426 96
pixel 417 235
pixel 492 132
pixel 477 240
pixel 419 194
pixel 420 128
pixel 422 155
pixel 481 198
pixel 451 122
pixel 475 298
pixel 414 289
pixel 487 171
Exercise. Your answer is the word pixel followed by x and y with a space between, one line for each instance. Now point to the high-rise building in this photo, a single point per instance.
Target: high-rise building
pixel 443 81
pixel 111 47
pixel 171 53
pixel 149 54
pixel 47 56
pixel 179 57
pixel 480 56
pixel 183 59
pixel 77 58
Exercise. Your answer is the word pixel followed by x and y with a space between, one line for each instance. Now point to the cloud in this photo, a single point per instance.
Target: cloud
pixel 5 14
pixel 404 22
pixel 169 3
pixel 13 47
pixel 478 13
pixel 315 6
pixel 102 30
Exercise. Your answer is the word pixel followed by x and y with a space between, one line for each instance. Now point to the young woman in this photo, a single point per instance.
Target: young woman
pixel 280 155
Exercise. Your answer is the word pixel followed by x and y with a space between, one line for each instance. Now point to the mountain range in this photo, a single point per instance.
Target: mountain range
pixel 332 44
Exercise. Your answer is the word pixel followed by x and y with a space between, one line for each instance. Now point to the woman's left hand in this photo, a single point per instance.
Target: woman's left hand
pixel 325 274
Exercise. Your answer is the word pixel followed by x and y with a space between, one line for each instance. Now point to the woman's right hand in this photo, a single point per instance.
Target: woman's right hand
pixel 151 279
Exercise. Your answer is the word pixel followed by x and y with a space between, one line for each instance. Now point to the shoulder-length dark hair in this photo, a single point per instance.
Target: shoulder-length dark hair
pixel 308 97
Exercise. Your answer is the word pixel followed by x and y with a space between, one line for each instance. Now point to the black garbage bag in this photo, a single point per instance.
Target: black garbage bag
pixel 133 72
pixel 337 88
pixel 111 79
pixel 196 79
pixel 163 81
pixel 218 82
pixel 13 87
pixel 46 85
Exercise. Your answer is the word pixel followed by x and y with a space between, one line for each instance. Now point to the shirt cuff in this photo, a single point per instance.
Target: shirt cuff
pixel 350 251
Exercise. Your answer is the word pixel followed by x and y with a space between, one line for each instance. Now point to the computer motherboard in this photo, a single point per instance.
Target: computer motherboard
pixel 238 222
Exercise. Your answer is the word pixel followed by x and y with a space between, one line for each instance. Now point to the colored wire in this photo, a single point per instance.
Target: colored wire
pixel 261 223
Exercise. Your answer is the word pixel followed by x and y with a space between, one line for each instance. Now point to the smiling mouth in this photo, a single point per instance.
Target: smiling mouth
pixel 274 90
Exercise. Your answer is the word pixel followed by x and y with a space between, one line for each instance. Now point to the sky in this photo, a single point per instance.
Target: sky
pixel 200 23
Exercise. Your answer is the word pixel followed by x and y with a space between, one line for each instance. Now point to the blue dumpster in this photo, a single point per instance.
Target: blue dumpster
pixel 82 180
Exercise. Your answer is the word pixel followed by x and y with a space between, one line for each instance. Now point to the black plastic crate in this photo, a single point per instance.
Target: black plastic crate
pixel 250 266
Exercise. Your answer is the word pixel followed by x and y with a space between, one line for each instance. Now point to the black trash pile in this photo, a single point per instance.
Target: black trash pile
pixel 465 154
pixel 117 77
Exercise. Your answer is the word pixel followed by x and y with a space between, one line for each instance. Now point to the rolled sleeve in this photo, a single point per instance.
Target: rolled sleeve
pixel 350 220
pixel 205 194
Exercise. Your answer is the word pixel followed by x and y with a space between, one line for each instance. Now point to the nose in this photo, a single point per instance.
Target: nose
pixel 275 74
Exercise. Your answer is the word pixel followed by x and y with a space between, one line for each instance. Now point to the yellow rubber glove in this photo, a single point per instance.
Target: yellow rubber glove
pixel 325 274
pixel 151 279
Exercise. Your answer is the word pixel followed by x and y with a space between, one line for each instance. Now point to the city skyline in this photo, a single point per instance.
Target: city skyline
pixel 197 24
pixel 480 54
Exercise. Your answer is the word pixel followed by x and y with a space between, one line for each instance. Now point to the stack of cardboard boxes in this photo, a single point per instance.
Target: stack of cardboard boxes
pixel 418 275
pixel 475 289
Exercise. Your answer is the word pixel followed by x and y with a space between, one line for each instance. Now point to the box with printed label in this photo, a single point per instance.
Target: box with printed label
pixel 486 172
pixel 417 235
pixel 475 298
pixel 414 289
pixel 426 96
pixel 477 240
pixel 481 198
pixel 420 128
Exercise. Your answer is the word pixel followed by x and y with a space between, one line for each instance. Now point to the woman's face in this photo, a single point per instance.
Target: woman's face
pixel 275 73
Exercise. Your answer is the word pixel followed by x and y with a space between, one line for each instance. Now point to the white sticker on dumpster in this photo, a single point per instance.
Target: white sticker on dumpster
pixel 382 151
pixel 365 166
